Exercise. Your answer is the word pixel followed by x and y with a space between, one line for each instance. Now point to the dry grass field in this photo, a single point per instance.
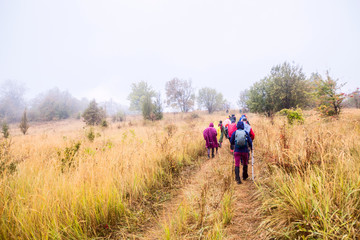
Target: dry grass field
pixel 64 186
pixel 56 183
pixel 310 185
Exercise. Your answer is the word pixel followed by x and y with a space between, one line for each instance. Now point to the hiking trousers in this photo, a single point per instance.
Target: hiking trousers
pixel 242 157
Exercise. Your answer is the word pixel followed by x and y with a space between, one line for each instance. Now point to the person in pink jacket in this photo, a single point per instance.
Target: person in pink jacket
pixel 211 140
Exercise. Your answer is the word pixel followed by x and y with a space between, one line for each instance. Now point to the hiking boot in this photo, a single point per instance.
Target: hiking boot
pixel 208 156
pixel 213 156
pixel 237 175
pixel 245 172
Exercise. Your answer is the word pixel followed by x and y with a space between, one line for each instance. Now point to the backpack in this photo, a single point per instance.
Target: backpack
pixel 231 129
pixel 240 138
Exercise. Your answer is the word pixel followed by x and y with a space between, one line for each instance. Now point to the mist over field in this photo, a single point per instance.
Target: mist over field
pixel 97 50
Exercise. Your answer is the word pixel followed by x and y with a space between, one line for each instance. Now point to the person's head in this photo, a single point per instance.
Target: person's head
pixel 244 119
pixel 211 125
pixel 233 120
pixel 240 125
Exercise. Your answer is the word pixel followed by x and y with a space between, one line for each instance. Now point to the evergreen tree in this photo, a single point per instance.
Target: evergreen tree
pixel 24 126
pixel 158 110
pixel 94 114
pixel 147 108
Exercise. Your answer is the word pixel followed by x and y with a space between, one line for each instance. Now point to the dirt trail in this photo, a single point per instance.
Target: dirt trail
pixel 246 215
pixel 191 184
pixel 245 219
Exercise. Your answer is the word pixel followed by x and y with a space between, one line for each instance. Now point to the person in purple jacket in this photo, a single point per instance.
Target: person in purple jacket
pixel 211 140
pixel 241 153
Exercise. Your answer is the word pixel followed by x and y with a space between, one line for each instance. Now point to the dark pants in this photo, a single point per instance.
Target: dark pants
pixel 212 152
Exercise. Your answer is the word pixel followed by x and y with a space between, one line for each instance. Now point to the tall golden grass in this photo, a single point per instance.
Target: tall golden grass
pixel 67 187
pixel 311 185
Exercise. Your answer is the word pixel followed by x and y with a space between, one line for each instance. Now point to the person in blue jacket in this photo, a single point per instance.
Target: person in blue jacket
pixel 241 154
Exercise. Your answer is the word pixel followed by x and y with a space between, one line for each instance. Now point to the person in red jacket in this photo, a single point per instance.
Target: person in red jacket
pixel 248 128
pixel 231 129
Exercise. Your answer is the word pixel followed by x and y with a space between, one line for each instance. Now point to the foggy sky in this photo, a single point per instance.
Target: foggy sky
pixel 96 49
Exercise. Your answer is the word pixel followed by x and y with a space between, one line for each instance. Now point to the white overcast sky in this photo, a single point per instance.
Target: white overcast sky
pixel 97 48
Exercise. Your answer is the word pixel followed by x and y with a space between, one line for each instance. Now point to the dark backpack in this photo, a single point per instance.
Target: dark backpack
pixel 240 138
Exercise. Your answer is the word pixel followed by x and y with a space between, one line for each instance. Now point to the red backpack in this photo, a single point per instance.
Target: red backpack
pixel 232 128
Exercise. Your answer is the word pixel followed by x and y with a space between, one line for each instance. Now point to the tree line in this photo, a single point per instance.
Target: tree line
pixel 51 105
pixel 287 87
pixel 180 95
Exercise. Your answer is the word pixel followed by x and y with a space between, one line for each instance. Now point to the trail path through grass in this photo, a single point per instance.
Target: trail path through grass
pixel 246 218
pixel 191 183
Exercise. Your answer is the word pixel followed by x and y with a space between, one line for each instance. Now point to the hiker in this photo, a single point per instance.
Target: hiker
pixel 231 130
pixel 248 128
pixel 226 124
pixel 241 139
pixel 244 116
pixel 233 118
pixel 222 133
pixel 211 140
pixel 218 132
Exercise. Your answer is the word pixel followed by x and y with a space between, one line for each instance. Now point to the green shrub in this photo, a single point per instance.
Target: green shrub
pixel 5 130
pixel 67 156
pixel 90 135
pixel 104 123
pixel 194 115
pixel 6 164
pixel 326 111
pixel 293 115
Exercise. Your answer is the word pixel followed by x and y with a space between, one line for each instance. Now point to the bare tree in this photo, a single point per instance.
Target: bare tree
pixel 12 100
pixel 243 98
pixel 180 94
pixel 210 99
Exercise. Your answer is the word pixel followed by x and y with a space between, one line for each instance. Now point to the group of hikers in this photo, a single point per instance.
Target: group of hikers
pixel 240 136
